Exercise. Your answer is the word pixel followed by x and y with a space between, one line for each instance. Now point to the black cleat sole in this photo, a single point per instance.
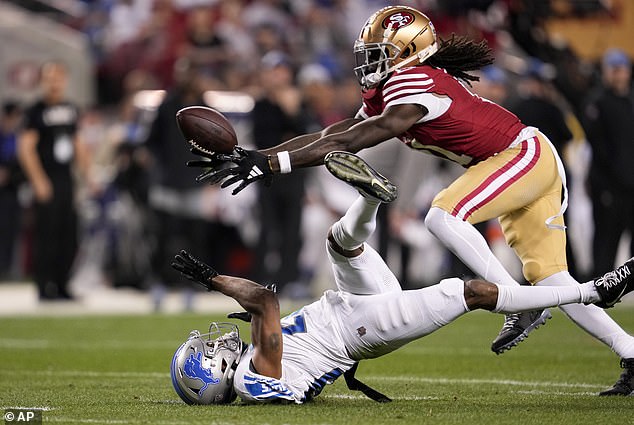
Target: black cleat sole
pixel 356 172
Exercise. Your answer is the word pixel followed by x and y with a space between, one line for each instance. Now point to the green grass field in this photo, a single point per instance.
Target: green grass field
pixel 115 370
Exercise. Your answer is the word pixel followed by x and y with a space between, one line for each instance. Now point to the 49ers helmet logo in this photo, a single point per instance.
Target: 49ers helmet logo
pixel 398 20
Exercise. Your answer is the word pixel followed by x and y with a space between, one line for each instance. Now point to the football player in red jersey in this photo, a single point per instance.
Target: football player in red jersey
pixel 413 88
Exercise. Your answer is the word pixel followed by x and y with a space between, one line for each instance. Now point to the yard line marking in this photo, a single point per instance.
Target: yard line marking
pixel 89 421
pixel 161 375
pixel 42 408
pixel 483 381
pixel 24 343
pixel 110 421
pixel 363 397
pixel 18 344
pixel 540 392
pixel 92 374
pixel 173 401
pixel 439 350
pixel 124 421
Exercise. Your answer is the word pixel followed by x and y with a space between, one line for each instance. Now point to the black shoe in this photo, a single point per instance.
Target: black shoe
pixel 47 297
pixel 516 328
pixel 65 296
pixel 613 285
pixel 625 384
pixel 357 173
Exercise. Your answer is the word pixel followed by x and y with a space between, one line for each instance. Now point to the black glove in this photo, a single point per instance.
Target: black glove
pixel 213 163
pixel 194 269
pixel 245 316
pixel 250 166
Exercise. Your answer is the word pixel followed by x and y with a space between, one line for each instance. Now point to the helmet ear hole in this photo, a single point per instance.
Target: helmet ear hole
pixel 408 51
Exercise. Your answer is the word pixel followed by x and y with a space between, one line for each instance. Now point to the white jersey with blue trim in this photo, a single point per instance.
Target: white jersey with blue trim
pixel 314 355
pixel 369 316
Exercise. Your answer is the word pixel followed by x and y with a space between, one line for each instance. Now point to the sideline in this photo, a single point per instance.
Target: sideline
pixel 19 299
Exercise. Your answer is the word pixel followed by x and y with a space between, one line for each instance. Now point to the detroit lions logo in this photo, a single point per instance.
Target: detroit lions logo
pixel 194 369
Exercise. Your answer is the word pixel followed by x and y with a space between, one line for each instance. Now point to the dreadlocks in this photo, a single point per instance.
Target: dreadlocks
pixel 459 55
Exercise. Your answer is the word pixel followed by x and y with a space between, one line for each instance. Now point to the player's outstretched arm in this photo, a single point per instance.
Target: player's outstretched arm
pixel 362 134
pixel 306 139
pixel 350 135
pixel 260 301
pixel 252 165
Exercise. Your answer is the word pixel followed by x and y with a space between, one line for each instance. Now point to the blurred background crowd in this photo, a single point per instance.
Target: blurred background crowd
pixel 122 202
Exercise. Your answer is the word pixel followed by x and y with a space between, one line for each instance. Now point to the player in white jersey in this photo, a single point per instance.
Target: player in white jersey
pixel 368 316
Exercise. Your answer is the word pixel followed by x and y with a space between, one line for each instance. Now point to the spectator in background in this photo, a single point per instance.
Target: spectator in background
pixel 125 18
pixel 10 177
pixel 270 13
pixel 152 52
pixel 322 31
pixel 537 106
pixel 609 125
pixel 232 27
pixel 175 198
pixel 268 38
pixel 201 41
pixel 47 149
pixel 492 85
pixel 321 97
pixel 277 116
pixel 127 222
pixel 172 185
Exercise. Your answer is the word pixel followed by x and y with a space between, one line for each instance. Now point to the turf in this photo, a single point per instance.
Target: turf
pixel 114 370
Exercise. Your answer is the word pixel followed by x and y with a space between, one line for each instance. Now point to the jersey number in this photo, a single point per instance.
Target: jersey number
pixel 298 326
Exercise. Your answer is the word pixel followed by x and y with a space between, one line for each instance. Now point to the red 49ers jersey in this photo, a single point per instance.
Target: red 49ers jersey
pixel 461 126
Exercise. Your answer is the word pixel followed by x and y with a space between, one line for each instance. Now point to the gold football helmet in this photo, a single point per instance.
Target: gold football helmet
pixel 393 37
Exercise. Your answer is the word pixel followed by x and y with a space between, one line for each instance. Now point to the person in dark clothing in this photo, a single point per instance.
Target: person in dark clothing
pixel 609 125
pixel 277 116
pixel 536 106
pixel 128 257
pixel 10 178
pixel 175 196
pixel 47 149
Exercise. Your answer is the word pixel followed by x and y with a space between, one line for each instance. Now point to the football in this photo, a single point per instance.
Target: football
pixel 206 129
